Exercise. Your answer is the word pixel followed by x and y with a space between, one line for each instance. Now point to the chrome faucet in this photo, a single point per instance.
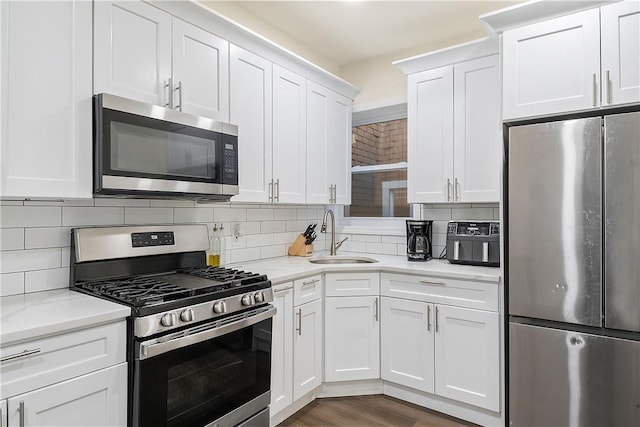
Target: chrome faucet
pixel 323 229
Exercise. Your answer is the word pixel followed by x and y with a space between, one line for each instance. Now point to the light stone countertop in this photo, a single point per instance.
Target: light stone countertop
pixel 28 316
pixel 285 269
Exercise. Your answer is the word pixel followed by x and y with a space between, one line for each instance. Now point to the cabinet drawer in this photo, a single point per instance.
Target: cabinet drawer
pixel 352 284
pixel 307 289
pixel 440 290
pixel 61 357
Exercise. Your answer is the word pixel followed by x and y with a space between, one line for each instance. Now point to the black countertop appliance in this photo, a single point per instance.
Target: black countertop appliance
pixel 419 234
pixel 474 243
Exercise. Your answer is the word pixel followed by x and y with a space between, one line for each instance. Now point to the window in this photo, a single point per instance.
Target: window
pixel 379 169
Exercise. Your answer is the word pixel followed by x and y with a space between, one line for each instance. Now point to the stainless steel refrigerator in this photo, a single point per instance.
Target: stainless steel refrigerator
pixel 573 272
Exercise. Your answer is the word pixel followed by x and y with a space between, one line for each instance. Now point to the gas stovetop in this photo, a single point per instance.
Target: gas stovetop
pixel 161 273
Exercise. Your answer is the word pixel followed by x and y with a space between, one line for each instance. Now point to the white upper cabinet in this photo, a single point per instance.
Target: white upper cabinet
pixel 251 110
pixel 289 136
pixel 620 38
pixel 132 43
pixel 200 71
pixel 430 136
pixel 576 62
pixel 46 92
pixel 328 146
pixel 454 133
pixel 135 46
pixel 477 155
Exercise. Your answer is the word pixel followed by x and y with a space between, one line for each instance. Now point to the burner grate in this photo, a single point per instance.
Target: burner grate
pixel 137 291
pixel 230 278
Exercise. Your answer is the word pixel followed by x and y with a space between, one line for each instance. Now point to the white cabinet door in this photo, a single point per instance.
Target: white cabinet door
pixel 430 136
pixel 307 348
pixel 96 399
pixel 340 108
pixel 352 338
pixel 318 144
pixel 282 349
pixel 407 346
pixel 552 66
pixel 352 284
pixel 289 136
pixel 620 49
pixel 46 99
pixel 467 356
pixel 251 110
pixel 200 71
pixel 477 133
pixel 132 50
pixel 3 413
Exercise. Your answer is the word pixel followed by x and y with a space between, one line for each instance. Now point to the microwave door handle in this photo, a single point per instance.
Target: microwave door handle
pixel 153 348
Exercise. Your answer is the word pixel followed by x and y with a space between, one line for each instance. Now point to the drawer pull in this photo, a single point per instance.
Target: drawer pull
pixel 299 315
pixel 21 409
pixel 428 282
pixel 310 282
pixel 437 323
pixel 376 309
pixel 20 355
pixel 277 291
pixel 429 318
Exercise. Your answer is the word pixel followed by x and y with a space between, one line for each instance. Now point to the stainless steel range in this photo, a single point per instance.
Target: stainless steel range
pixel 199 338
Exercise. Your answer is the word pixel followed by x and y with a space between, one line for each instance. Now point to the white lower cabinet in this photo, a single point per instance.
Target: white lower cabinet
pixel 407 346
pixel 282 349
pixel 95 399
pixel 3 413
pixel 429 345
pixel 307 348
pixel 352 338
pixel 467 359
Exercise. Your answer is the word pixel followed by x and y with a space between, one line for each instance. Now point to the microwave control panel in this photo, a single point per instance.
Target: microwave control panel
pixel 229 159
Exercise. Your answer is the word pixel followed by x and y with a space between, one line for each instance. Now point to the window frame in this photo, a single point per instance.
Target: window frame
pixel 377 225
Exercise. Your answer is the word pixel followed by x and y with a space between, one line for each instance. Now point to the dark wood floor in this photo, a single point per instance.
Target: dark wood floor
pixel 368 411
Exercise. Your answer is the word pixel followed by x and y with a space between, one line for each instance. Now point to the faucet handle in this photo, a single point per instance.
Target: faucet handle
pixel 340 243
pixel 323 228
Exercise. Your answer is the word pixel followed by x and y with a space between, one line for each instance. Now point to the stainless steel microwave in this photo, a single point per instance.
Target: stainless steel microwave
pixel 147 151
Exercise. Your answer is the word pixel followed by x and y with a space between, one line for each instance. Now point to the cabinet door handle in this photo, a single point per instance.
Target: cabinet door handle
pixel 20 355
pixel 448 189
pixel 455 189
pixel 271 191
pixel 608 86
pixel 299 315
pixel 428 318
pixel 179 89
pixel 169 86
pixel 429 282
pixel 595 90
pixel 21 410
pixel 375 307
pixel 310 282
pixel 437 322
pixel 276 190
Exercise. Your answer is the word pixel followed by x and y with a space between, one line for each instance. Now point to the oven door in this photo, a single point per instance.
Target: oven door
pixel 218 373
pixel 142 149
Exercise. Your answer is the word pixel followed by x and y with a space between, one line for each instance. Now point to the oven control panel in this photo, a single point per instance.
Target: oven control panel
pixel 161 238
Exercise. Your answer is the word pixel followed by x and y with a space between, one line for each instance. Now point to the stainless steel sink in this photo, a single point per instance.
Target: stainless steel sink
pixel 342 259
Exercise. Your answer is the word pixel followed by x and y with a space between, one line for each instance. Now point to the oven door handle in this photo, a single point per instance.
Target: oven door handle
pixel 154 348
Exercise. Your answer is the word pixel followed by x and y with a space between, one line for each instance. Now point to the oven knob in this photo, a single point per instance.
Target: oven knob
pixel 187 315
pixel 259 297
pixel 247 300
pixel 219 307
pixel 168 319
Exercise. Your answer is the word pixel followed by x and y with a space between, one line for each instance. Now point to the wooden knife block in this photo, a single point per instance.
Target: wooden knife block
pixel 298 248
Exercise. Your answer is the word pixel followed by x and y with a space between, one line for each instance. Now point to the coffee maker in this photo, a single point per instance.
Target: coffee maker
pixel 419 240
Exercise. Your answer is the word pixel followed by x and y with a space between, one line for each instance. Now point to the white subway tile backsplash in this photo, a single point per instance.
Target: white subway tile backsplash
pixel 351 246
pixel 440 227
pixel 273 251
pixel 257 240
pixel 394 239
pixel 472 214
pixel 260 214
pixel 244 255
pixel 49 237
pixel 148 215
pixel 284 238
pixel 11 239
pixel 46 280
pixel 86 216
pixel 436 214
pixel 11 284
pixel 33 259
pixel 121 202
pixel 274 227
pixel 193 215
pixel 65 254
pixel 30 216
pixel 251 227
pixel 222 214
pixel 298 226
pixel 71 202
pixel 285 214
pixel 374 238
pixel 172 203
pixel 382 248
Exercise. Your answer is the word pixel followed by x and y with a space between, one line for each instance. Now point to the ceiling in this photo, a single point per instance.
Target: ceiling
pixel 351 31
